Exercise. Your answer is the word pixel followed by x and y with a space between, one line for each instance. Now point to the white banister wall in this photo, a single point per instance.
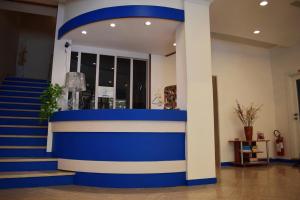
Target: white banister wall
pixel 200 127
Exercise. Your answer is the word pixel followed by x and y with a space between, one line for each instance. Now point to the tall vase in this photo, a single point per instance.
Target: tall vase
pixel 248 132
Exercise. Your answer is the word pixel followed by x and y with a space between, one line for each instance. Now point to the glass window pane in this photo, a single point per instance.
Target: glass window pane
pixel 106 82
pixel 74 61
pixel 123 83
pixel 106 71
pixel 139 84
pixel 88 67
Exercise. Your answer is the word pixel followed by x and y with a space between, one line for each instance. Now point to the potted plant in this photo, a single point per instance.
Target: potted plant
pixel 49 100
pixel 247 116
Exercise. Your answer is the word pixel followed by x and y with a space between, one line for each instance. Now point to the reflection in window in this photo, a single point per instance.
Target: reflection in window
pixel 74 61
pixel 88 67
pixel 139 84
pixel 123 83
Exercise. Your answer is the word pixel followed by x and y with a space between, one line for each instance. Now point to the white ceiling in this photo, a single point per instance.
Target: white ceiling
pixel 129 34
pixel 279 22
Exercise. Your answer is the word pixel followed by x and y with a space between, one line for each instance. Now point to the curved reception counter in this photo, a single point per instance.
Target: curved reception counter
pixel 121 148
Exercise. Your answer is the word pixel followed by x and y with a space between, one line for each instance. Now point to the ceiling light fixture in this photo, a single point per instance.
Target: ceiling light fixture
pixel 113 25
pixel 256 32
pixel 174 44
pixel 263 3
pixel 84 32
pixel 148 23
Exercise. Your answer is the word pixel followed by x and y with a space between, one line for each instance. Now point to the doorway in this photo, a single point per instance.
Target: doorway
pixel 216 121
pixel 294 118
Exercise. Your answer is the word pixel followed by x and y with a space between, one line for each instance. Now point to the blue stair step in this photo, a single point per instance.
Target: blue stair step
pixel 19 99
pixel 35 179
pixel 23 152
pixel 26 140
pixel 15 130
pixel 27 164
pixel 7 105
pixel 16 88
pixel 19 113
pixel 22 121
pixel 26 80
pixel 20 93
pixel 22 83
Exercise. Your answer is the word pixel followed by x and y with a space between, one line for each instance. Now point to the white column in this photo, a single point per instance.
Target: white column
pixel 181 67
pixel 61 56
pixel 200 125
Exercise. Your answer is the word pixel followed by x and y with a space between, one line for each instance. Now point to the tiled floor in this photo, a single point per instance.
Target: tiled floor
pixel 278 182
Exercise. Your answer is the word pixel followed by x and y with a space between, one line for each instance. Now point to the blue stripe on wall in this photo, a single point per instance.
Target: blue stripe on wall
pixel 35 182
pixel 120 146
pixel 28 166
pixel 205 181
pixel 132 11
pixel 131 180
pixel 120 114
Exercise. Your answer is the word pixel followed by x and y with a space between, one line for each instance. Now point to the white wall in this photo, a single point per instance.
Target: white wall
pixel 285 62
pixel 163 73
pixel 244 74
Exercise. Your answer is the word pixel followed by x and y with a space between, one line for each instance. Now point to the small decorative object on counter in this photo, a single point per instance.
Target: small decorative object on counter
pixel 260 136
pixel 247 116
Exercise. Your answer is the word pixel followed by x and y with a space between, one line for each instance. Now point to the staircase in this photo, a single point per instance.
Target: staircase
pixel 24 161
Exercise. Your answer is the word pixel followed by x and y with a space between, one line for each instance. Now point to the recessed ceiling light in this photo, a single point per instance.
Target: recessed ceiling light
pixel 263 3
pixel 256 32
pixel 174 44
pixel 84 32
pixel 148 23
pixel 113 25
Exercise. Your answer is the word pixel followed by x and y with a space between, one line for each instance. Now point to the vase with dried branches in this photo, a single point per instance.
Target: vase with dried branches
pixel 247 115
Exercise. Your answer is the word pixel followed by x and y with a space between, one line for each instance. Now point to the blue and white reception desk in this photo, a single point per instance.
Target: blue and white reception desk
pixel 122 148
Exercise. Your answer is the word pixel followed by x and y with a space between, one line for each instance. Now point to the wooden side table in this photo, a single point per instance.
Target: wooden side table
pixel 245 153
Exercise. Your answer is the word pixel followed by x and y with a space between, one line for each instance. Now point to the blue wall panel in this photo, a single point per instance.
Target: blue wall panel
pixel 131 180
pixel 120 114
pixel 120 146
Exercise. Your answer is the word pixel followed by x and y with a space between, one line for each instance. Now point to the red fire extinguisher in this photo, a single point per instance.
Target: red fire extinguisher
pixel 279 143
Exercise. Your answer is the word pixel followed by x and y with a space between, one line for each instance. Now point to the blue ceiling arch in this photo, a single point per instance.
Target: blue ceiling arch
pixel 132 11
